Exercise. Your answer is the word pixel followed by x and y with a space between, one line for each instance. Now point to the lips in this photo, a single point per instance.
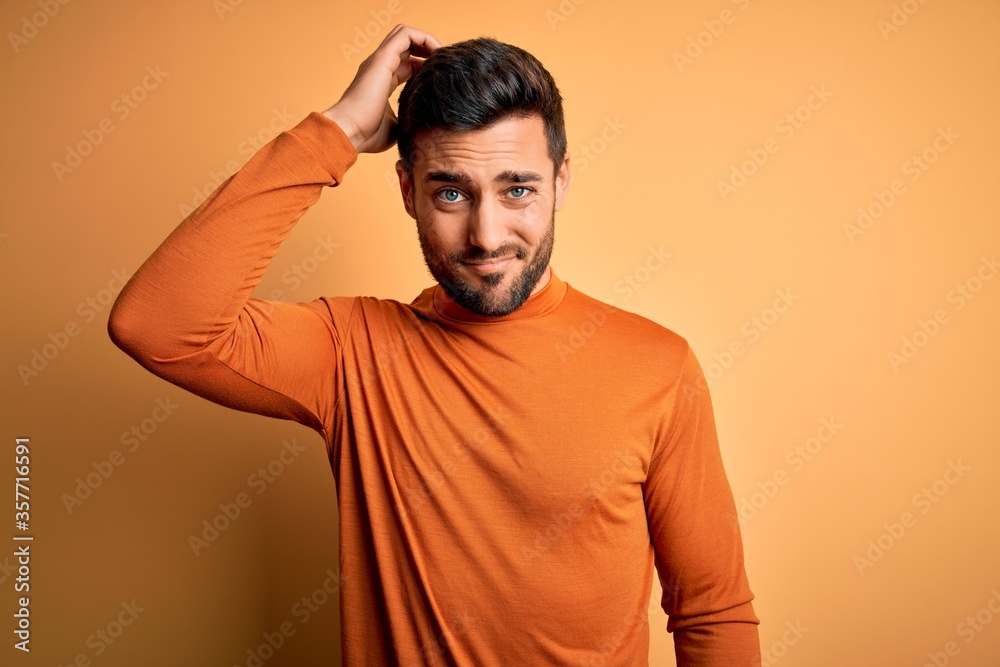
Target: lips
pixel 489 265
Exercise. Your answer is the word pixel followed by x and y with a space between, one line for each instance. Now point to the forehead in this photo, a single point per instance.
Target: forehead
pixel 511 144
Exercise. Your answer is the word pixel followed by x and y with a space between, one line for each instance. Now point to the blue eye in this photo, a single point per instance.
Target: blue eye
pixel 451 195
pixel 524 192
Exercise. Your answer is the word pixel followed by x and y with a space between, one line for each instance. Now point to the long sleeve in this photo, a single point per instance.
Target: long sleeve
pixel 187 314
pixel 696 536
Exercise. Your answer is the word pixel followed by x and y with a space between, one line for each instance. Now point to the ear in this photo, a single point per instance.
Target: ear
pixel 406 189
pixel 562 182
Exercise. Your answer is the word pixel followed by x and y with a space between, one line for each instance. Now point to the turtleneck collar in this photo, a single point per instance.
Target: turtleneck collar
pixel 541 302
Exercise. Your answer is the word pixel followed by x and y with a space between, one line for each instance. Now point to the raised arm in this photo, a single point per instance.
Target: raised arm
pixel 187 314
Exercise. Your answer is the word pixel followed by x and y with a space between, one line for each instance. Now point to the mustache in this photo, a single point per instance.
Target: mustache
pixel 475 254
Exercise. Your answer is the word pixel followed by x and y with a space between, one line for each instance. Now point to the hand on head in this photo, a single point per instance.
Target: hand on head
pixel 363 111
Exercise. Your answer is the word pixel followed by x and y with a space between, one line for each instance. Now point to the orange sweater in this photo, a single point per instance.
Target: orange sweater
pixel 505 486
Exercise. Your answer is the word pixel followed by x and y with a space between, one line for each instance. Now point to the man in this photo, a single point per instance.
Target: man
pixel 501 502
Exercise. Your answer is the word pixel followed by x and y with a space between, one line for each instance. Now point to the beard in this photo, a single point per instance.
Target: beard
pixel 492 300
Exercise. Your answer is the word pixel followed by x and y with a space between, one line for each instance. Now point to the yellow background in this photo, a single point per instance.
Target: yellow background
pixel 652 135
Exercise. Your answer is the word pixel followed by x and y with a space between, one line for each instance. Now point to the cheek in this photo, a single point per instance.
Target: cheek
pixel 532 221
pixel 443 232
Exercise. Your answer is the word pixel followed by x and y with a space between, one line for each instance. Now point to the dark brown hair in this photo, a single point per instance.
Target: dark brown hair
pixel 472 84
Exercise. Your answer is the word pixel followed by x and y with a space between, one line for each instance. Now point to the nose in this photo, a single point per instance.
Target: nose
pixel 487 229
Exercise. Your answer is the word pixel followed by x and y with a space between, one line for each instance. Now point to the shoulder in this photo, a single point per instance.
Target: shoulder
pixel 624 333
pixel 369 314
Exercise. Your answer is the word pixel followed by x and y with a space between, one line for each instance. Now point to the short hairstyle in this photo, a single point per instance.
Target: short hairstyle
pixel 472 84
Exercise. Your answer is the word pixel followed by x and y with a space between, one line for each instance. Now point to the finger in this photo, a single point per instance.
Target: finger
pixel 422 41
pixel 405 41
pixel 407 68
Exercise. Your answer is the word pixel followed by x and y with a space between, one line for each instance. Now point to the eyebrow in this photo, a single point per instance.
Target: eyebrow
pixel 509 176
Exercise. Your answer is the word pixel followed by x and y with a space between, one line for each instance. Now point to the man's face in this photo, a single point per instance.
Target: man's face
pixel 485 202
